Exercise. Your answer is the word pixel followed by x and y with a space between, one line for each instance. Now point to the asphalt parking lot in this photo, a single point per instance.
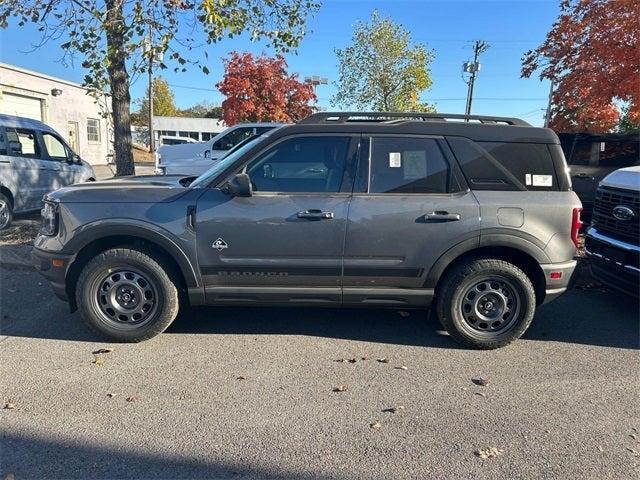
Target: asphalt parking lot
pixel 248 393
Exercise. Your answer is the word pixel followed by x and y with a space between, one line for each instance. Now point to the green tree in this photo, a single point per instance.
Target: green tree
pixel 163 103
pixel 627 125
pixel 118 39
pixel 382 70
pixel 202 109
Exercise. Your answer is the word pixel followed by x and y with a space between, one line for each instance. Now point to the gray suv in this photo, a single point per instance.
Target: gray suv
pixel 474 214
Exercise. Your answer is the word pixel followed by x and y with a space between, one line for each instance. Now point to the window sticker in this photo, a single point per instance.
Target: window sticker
pixel 415 164
pixel 542 180
pixel 395 159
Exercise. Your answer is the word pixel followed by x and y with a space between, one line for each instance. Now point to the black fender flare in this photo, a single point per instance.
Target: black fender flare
pixel 494 239
pixel 100 229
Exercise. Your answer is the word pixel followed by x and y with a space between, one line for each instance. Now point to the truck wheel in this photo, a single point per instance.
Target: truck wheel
pixel 486 303
pixel 6 212
pixel 126 295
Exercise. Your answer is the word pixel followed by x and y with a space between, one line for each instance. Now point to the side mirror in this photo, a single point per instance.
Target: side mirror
pixel 207 153
pixel 239 186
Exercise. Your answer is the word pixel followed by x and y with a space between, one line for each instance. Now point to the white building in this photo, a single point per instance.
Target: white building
pixel 66 106
pixel 200 129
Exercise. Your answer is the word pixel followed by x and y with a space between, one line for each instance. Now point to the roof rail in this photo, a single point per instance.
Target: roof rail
pixel 394 117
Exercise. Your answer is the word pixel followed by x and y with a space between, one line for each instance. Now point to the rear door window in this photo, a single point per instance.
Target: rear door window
pixel 408 165
pixel 22 142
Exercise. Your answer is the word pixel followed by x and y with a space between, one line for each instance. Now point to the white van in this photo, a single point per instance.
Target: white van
pixel 172 159
pixel 34 160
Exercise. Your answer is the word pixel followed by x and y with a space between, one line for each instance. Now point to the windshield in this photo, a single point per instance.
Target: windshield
pixel 226 161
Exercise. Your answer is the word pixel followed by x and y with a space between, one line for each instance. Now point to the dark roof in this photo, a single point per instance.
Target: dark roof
pixel 489 129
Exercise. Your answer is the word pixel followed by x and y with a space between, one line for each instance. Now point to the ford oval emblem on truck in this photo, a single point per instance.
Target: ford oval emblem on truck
pixel 623 213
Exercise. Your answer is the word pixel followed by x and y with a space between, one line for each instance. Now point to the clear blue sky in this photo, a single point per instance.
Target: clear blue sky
pixel 448 27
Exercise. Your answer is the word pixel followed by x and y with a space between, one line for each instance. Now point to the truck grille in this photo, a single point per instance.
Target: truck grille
pixel 607 199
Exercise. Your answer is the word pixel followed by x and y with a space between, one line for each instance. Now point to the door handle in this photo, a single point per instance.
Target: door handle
pixel 314 214
pixel 584 176
pixel 441 216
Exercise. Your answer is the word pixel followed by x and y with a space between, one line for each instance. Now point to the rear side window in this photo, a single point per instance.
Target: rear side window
pixel 407 165
pixel 506 166
pixel 22 142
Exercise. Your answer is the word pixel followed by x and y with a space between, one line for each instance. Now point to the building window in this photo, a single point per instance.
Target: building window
pixel 93 130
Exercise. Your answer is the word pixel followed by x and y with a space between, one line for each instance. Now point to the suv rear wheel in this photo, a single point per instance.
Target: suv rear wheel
pixel 126 295
pixel 486 303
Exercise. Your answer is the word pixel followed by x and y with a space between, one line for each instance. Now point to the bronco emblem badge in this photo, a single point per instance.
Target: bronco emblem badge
pixel 219 244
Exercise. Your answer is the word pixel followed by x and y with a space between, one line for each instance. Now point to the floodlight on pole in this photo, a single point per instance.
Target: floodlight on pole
pixel 314 81
pixel 472 68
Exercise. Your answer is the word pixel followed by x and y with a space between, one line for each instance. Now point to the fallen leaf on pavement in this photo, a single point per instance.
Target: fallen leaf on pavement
pixel 402 367
pixel 132 399
pixel 600 449
pixel 340 388
pixel 340 360
pixel 393 409
pixel 364 358
pixel 491 452
pixel 103 350
pixel 375 425
pixel 111 395
pixel 352 360
pixel 98 360
pixel 383 360
pixel 9 405
pixel 240 377
pixel 480 394
pixel 632 450
pixel 483 382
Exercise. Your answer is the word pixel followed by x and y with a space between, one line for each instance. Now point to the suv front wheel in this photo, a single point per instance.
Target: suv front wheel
pixel 486 303
pixel 126 295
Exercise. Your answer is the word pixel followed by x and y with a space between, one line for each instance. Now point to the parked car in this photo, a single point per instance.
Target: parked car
pixel 173 140
pixel 34 160
pixel 209 151
pixel 341 209
pixel 197 166
pixel 591 157
pixel 613 239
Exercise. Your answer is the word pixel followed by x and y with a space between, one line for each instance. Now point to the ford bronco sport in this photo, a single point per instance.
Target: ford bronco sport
pixel 367 209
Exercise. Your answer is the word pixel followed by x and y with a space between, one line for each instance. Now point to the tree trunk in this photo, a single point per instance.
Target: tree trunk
pixel 119 81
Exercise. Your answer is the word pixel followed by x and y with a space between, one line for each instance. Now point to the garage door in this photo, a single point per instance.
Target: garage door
pixel 21 106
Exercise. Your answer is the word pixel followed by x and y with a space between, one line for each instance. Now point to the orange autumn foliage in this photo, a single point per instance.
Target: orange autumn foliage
pixel 592 55
pixel 260 90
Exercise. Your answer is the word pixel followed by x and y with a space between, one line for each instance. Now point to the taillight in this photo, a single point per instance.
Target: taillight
pixel 576 225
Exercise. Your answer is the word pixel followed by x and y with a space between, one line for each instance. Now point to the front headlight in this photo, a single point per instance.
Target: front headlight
pixel 49 214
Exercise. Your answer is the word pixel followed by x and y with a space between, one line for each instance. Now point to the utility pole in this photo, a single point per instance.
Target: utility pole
pixel 473 68
pixel 152 140
pixel 547 116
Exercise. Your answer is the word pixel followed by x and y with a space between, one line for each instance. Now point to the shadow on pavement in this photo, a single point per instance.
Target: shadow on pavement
pixel 588 317
pixel 26 457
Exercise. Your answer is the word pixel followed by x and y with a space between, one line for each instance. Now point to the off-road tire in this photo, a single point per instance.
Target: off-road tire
pixel 166 303
pixel 8 211
pixel 457 282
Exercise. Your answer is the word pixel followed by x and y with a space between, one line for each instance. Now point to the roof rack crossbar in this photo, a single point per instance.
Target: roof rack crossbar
pixel 344 117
